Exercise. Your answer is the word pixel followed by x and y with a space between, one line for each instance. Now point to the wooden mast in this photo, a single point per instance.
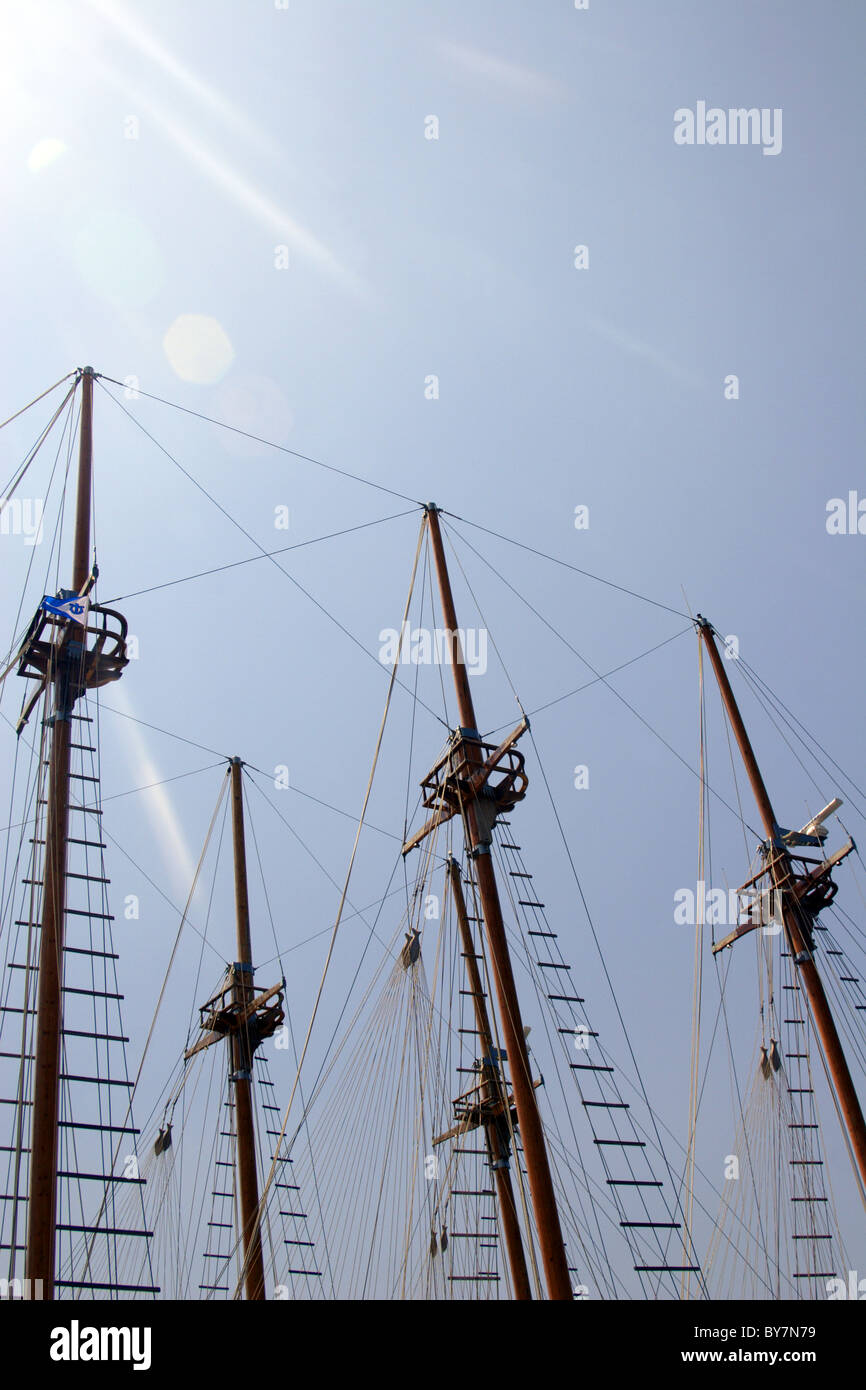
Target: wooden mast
pixel 243 1019
pixel 795 919
pixel 491 1088
pixel 544 1206
pixel 242 1056
pixel 42 1202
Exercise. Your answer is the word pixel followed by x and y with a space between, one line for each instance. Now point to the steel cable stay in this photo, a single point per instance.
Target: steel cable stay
pixel 281 448
pixel 378 903
pixel 338 1149
pixel 76 805
pixel 771 709
pixel 90 1254
pixel 159 1172
pixel 289 1015
pixel 66 436
pixel 549 935
pixel 391 1069
pixel 744 1130
pixel 723 970
pixel 223 757
pixel 423 1049
pixel 101 377
pixel 354 1067
pixel 486 530
pixel 838 960
pixel 780 1118
pixel 17 478
pixel 434 823
pixel 316 1144
pixel 782 1133
pixel 813 1008
pixel 846 922
pixel 425 580
pixel 767 1281
pixel 264 553
pixel 705 875
pixel 212 888
pixel 565 564
pixel 704 625
pixel 598 677
pixel 367 794
pixel 41 397
pixel 762 684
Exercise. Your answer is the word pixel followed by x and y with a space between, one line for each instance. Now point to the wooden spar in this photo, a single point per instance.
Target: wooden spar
pixel 242 1056
pixel 544 1206
pixel 795 920
pixel 491 1088
pixel 42 1203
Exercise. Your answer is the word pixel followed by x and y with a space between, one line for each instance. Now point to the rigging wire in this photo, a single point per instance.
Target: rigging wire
pixel 599 676
pixel 279 958
pixel 755 680
pixel 328 958
pixel 68 430
pixel 612 672
pixel 265 555
pixel 226 757
pixel 566 564
pixel 40 397
pixel 282 448
pixel 17 478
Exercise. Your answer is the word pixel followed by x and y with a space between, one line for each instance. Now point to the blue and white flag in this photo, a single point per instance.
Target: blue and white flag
pixel 73 608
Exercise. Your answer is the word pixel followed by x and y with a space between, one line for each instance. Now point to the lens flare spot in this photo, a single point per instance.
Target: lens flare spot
pixel 198 349
pixel 45 152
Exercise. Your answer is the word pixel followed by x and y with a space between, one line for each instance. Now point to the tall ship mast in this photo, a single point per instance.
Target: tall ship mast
pixel 448 1102
pixel 69 1082
pixel 783 905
